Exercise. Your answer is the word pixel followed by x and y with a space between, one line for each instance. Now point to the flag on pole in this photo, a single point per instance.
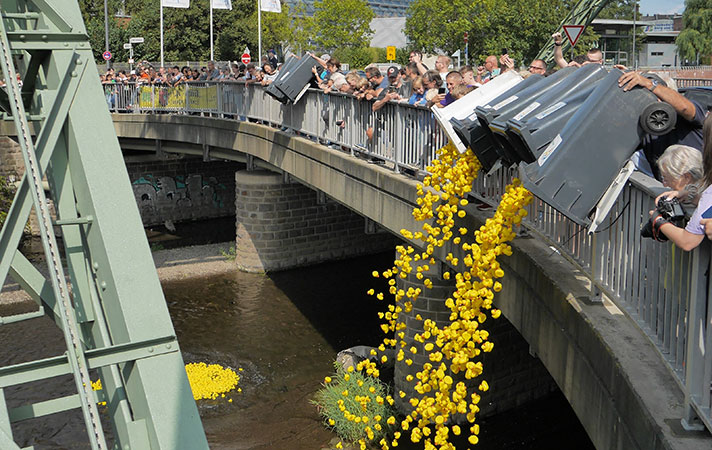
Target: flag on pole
pixel 271 6
pixel 221 4
pixel 175 3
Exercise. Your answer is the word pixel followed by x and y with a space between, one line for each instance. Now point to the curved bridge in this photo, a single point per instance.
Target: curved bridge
pixel 630 383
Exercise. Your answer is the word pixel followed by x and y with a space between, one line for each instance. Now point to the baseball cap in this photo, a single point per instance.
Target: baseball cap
pixel 392 72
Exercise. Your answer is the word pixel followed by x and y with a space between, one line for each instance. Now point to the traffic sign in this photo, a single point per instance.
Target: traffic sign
pixel 107 55
pixel 246 58
pixel 136 40
pixel 390 53
pixel 573 32
pixel 467 35
pixel 128 46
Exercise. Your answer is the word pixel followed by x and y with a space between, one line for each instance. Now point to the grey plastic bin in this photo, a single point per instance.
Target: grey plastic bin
pixel 581 162
pixel 513 104
pixel 469 130
pixel 579 79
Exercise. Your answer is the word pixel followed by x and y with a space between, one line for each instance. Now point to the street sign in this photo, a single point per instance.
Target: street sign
pixel 573 32
pixel 246 58
pixel 107 55
pixel 127 46
pixel 390 53
pixel 136 40
pixel 466 36
pixel 131 60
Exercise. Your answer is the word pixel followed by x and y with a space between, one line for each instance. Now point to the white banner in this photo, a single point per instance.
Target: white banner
pixel 175 3
pixel 221 4
pixel 271 6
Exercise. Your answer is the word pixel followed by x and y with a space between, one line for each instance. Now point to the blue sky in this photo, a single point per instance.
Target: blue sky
pixel 661 6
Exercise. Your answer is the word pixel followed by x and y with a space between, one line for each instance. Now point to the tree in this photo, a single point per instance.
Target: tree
pixel 301 27
pixel 342 23
pixel 521 26
pixel 619 9
pixel 695 39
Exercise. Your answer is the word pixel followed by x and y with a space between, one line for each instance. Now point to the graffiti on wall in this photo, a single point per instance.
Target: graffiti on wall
pixel 180 198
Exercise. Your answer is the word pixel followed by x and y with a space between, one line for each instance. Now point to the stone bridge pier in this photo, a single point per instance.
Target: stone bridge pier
pixel 283 224
pixel 514 374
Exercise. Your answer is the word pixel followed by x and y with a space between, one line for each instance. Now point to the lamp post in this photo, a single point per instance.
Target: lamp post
pixel 106 30
pixel 635 19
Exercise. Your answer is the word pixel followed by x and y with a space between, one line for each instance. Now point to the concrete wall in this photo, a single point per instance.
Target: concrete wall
pixel 281 225
pixel 180 189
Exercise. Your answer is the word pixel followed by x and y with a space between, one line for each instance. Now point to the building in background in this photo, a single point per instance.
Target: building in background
pixel 655 46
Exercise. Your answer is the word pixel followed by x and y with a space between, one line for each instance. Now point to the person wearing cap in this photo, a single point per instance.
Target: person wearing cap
pixel 396 84
pixel 690 116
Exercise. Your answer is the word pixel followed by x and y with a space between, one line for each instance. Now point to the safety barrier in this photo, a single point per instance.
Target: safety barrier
pixel 660 287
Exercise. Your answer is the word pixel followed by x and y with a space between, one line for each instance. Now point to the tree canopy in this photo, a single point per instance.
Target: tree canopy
pixel 695 40
pixel 520 26
pixel 186 31
pixel 342 23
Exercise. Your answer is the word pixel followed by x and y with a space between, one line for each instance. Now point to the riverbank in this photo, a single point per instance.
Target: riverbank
pixel 171 264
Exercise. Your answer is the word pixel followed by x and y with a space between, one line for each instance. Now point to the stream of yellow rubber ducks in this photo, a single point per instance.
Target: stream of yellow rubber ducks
pixel 451 349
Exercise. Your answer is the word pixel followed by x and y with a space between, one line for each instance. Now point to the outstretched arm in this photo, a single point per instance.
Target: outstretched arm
pixel 558 52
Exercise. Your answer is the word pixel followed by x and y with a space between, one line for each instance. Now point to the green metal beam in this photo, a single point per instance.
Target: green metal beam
pixel 582 14
pixel 118 312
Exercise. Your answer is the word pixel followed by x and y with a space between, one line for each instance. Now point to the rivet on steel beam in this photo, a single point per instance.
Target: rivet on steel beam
pixel 103 285
pixel 22 37
pixel 74 74
pixel 44 37
pixel 168 346
pixel 96 265
pixel 150 349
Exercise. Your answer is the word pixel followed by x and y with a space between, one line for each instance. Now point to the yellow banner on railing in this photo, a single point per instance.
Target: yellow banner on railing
pixel 157 97
pixel 203 97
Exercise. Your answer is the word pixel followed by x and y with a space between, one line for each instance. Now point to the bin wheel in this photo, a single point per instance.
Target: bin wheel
pixel 658 118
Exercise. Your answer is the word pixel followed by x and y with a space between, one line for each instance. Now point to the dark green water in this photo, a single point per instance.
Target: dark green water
pixel 284 330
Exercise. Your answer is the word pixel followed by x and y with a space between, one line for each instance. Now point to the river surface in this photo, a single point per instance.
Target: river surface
pixel 284 331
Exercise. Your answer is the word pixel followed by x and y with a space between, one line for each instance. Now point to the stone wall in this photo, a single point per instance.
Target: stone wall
pixel 281 225
pixel 515 376
pixel 183 188
pixel 11 163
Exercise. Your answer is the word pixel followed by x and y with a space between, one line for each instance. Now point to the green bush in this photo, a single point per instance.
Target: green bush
pixel 355 405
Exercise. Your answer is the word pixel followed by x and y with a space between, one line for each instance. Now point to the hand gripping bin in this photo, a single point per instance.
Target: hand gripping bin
pixel 509 105
pixel 295 80
pixel 581 162
pixel 467 104
pixel 469 129
pixel 571 84
pixel 272 89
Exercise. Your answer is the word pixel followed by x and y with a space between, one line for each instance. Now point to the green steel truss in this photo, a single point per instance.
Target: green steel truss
pixel 115 319
pixel 582 14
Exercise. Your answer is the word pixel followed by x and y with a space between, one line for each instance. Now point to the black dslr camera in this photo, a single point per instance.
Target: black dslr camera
pixel 668 210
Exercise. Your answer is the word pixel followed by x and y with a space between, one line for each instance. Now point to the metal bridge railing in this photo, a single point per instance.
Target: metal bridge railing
pixel 662 288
